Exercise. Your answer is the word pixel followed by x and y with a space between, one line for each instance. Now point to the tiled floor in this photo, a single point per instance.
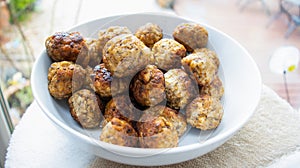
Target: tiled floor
pixel 247 26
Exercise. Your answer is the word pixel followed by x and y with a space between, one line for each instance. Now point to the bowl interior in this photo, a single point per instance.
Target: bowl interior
pixel 239 73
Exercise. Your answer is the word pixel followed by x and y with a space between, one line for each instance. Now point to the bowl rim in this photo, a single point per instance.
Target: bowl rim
pixel 134 150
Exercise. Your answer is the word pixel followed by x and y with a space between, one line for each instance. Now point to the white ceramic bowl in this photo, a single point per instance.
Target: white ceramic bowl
pixel 238 72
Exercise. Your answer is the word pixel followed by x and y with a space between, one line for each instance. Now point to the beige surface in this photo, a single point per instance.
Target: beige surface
pixel 272 132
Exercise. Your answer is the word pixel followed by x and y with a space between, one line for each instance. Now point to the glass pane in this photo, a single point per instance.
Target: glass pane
pixel 16 57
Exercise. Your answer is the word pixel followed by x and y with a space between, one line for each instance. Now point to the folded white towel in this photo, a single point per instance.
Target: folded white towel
pixel 37 143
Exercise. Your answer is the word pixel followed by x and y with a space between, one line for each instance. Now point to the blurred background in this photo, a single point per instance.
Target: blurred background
pixel 261 26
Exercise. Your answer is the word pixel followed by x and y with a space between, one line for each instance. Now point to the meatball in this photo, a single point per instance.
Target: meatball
pixel 105 85
pixel 215 89
pixel 149 34
pixel 201 67
pixel 67 46
pixel 88 82
pixel 180 89
pixel 191 35
pixel 148 86
pixel 119 132
pixel 157 132
pixel 105 35
pixel 122 108
pixel 209 53
pixel 85 108
pixel 168 53
pixel 176 118
pixel 64 78
pixel 94 52
pixel 204 112
pixel 125 55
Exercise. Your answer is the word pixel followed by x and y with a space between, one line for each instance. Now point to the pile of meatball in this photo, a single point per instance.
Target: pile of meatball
pixel 141 89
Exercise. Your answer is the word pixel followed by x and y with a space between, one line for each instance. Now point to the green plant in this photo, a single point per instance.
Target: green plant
pixel 21 8
pixel 21 99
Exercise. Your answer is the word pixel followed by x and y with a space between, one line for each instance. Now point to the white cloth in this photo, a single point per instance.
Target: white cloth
pixel 271 135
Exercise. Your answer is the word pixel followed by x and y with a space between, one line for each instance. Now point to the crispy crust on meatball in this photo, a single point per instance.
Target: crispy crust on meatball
pixel 119 132
pixel 168 53
pixel 105 35
pixel 85 108
pixel 122 108
pixel 180 89
pixel 67 46
pixel 191 35
pixel 157 132
pixel 149 34
pixel 105 85
pixel 125 55
pixel 201 67
pixel 148 86
pixel 215 89
pixel 204 112
pixel 64 78
pixel 177 119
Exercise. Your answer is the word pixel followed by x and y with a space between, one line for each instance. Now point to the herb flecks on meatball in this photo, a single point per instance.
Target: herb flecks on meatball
pixel 204 112
pixel 119 132
pixel 167 54
pixel 94 52
pixel 64 78
pixel 125 55
pixel 85 108
pixel 209 53
pixel 104 35
pixel 201 67
pixel 215 89
pixel 191 35
pixel 149 34
pixel 180 89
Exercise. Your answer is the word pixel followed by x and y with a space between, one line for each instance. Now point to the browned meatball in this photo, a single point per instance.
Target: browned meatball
pixel 94 52
pixel 180 89
pixel 67 46
pixel 209 53
pixel 148 86
pixel 177 119
pixel 122 108
pixel 85 108
pixel 201 66
pixel 215 89
pixel 64 78
pixel 119 132
pixel 105 85
pixel 191 35
pixel 204 112
pixel 157 132
pixel 125 55
pixel 149 34
pixel 168 53
pixel 105 35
